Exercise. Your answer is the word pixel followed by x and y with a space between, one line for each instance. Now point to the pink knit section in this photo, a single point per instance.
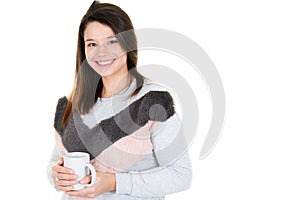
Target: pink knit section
pixel 119 156
pixel 126 151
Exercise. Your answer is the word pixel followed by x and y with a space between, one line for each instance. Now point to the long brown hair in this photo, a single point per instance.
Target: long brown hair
pixel 87 83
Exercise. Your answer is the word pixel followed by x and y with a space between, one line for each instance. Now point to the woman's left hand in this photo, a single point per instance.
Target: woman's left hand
pixel 105 182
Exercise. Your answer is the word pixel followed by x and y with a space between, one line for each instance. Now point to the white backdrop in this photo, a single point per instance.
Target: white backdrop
pixel 255 46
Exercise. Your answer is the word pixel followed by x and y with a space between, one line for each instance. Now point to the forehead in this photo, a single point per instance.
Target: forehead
pixel 97 31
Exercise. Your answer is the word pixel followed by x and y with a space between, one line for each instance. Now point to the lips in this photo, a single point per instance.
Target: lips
pixel 105 63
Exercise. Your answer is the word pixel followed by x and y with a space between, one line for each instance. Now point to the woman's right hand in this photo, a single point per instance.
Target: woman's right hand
pixel 63 177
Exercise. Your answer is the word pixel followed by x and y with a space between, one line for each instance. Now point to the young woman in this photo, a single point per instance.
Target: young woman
pixel 126 123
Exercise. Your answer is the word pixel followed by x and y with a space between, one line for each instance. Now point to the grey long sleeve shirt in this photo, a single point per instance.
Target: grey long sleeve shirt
pixel 162 170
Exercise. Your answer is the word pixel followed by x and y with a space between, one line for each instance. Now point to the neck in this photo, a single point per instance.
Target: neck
pixel 113 86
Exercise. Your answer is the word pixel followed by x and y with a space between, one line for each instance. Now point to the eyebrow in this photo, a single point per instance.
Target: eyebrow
pixel 88 40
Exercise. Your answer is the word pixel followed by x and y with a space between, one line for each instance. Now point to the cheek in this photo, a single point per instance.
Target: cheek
pixel 123 59
pixel 89 56
pixel 119 51
pixel 121 62
pixel 87 53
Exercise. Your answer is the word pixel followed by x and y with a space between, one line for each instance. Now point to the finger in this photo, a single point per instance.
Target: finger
pixel 60 161
pixel 55 177
pixel 64 188
pixel 86 192
pixel 66 183
pixel 54 174
pixel 86 180
pixel 69 177
pixel 61 169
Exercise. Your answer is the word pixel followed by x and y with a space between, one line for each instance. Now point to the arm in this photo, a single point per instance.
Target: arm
pixel 55 170
pixel 173 174
pixel 53 161
pixel 156 182
pixel 174 171
pixel 60 177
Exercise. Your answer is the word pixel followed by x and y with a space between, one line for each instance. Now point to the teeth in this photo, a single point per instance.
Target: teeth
pixel 104 62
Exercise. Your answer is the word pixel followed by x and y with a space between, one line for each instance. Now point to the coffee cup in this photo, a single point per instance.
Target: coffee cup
pixel 79 162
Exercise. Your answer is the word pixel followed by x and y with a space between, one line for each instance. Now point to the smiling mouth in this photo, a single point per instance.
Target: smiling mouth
pixel 105 63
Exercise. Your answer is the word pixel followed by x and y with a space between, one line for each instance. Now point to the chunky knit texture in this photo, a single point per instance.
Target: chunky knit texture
pixel 139 138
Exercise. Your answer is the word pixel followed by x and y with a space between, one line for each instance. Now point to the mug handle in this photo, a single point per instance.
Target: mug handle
pixel 93 173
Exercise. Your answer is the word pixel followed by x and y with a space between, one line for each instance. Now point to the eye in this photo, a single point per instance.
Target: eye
pixel 112 42
pixel 91 45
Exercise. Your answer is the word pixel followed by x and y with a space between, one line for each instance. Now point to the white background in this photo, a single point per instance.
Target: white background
pixel 255 46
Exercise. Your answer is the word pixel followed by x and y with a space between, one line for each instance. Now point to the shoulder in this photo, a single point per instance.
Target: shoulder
pixel 60 109
pixel 61 106
pixel 61 103
pixel 154 92
pixel 153 102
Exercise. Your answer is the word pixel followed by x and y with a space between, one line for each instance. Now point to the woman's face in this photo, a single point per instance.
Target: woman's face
pixel 103 51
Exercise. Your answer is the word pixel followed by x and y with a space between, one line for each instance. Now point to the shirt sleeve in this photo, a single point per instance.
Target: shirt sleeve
pixel 174 172
pixel 53 161
pixel 60 107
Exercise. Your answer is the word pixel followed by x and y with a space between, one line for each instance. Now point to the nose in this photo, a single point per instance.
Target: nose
pixel 99 51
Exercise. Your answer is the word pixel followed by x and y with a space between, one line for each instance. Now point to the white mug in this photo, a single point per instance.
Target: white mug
pixel 79 162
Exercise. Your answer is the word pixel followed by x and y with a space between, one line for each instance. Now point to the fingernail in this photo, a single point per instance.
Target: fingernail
pixel 83 181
